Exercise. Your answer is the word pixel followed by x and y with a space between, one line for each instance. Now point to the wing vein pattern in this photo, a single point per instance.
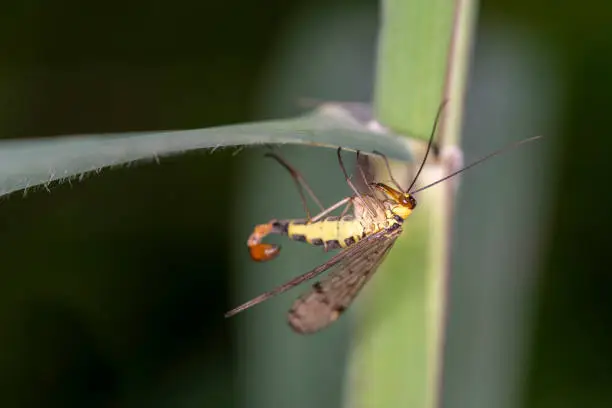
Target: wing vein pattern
pixel 362 249
pixel 327 299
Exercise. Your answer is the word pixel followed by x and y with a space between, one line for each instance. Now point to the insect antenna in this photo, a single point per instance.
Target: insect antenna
pixel 487 157
pixel 429 144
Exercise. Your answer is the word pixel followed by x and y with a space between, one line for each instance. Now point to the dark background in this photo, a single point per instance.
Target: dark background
pixel 112 291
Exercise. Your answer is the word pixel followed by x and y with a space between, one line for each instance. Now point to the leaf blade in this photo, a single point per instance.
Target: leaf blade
pixel 29 163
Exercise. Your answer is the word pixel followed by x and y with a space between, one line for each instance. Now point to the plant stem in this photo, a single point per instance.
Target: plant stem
pixel 424 51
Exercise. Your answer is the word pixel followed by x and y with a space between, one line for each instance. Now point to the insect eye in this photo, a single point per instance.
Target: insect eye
pixel 412 202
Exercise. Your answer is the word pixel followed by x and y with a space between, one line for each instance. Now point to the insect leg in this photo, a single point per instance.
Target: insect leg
pixel 332 208
pixel 364 177
pixel 366 181
pixel 300 182
pixel 389 171
pixel 346 208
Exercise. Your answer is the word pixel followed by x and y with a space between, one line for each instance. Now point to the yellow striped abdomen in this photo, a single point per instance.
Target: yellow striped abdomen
pixel 331 232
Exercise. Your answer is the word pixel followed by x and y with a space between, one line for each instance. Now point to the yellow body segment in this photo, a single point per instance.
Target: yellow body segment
pixel 401 211
pixel 330 232
pixel 335 232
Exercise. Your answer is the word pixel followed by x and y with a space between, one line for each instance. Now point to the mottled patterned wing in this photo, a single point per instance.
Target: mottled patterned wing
pixel 349 253
pixel 327 299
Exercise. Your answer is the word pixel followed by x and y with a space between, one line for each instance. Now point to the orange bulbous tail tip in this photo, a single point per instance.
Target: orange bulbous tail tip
pixel 264 252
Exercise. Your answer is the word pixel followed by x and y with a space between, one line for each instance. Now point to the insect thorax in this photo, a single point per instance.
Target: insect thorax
pixel 375 214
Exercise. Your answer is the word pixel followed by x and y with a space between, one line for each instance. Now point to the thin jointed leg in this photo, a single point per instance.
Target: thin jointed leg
pixel 300 182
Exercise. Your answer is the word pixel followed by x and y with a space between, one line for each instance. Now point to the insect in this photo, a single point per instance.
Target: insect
pixel 365 237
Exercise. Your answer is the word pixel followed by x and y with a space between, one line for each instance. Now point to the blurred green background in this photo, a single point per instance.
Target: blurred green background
pixel 113 289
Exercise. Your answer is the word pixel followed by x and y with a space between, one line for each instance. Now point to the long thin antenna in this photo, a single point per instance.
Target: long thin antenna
pixel 431 138
pixel 488 156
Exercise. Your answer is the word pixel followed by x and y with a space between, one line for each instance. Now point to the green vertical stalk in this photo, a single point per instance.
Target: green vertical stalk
pixel 424 50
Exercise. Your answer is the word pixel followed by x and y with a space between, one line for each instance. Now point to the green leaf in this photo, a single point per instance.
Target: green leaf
pixel 29 163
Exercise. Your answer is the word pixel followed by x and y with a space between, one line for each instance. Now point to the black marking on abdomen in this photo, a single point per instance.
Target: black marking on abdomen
pixel 333 244
pixel 316 241
pixel 394 227
pixel 280 227
pixel 298 237
pixel 349 241
pixel 397 218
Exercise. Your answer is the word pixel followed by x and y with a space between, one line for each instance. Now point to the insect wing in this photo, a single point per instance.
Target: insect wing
pixel 327 299
pixel 350 252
